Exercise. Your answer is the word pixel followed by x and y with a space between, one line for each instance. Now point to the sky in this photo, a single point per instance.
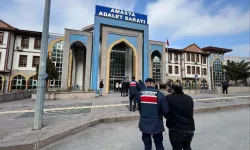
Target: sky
pixel 220 23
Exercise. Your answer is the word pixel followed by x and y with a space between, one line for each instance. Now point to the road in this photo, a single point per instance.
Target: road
pixel 225 130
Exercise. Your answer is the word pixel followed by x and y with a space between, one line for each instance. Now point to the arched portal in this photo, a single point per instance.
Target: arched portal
pixel 217 72
pixel 204 84
pixel 156 66
pixel 78 70
pixel 178 82
pixel 18 83
pixel 32 83
pixel 121 65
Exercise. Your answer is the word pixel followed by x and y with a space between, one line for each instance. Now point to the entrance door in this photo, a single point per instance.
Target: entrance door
pixel 121 64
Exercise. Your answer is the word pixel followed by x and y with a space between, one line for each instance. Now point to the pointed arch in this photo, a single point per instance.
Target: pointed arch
pixel 215 57
pixel 108 59
pixel 52 43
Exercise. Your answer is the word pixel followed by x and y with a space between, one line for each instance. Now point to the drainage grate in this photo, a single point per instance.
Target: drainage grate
pixel 60 112
pixel 216 101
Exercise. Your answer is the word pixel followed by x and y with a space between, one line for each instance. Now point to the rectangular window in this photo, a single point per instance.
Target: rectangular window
pixel 170 56
pixel 204 60
pixel 197 58
pixel 188 57
pixel 25 42
pixel 1 37
pixel 188 70
pixel 192 57
pixel 170 69
pixel 176 57
pixel 22 60
pixel 205 71
pixel 176 69
pixel 193 69
pixel 35 61
pixel 37 44
pixel 197 70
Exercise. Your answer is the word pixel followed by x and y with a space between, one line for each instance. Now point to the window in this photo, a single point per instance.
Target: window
pixel 37 44
pixel 176 57
pixel 188 57
pixel 22 60
pixel 204 71
pixel 157 69
pixel 192 58
pixel 197 70
pixel 193 69
pixel 170 56
pixel 25 42
pixel 1 37
pixel 197 58
pixel 176 69
pixel 35 61
pixel 18 83
pixel 204 60
pixel 188 70
pixel 170 69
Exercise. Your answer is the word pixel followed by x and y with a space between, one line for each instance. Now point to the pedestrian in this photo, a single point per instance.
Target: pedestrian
pixel 133 90
pixel 116 86
pixel 101 85
pixel 124 87
pixel 120 87
pixel 180 121
pixel 141 85
pixel 127 88
pixel 156 86
pixel 152 107
pixel 225 86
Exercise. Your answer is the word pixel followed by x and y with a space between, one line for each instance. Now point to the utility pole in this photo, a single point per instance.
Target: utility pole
pixel 42 68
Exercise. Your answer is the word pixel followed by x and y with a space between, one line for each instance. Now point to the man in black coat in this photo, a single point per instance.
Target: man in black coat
pixel 225 86
pixel 141 85
pixel 180 121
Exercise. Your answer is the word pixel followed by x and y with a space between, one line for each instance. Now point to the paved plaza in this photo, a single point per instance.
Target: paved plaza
pixel 225 130
pixel 65 117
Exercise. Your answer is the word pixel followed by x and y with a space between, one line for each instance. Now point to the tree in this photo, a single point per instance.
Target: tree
pixel 50 70
pixel 237 70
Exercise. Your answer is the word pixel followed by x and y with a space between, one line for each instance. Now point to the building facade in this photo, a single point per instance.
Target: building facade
pixel 114 48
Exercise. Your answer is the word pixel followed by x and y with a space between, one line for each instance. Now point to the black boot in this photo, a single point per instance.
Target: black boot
pixel 134 109
pixel 130 108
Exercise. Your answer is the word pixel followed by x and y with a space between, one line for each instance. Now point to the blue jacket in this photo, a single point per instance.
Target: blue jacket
pixel 152 107
pixel 133 88
pixel 142 85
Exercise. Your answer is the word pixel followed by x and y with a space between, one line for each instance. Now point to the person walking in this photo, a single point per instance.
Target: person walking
pixel 120 87
pixel 116 86
pixel 101 85
pixel 124 87
pixel 133 89
pixel 127 88
pixel 225 86
pixel 141 85
pixel 152 107
pixel 180 121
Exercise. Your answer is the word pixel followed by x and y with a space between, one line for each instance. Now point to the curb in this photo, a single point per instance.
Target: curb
pixel 37 144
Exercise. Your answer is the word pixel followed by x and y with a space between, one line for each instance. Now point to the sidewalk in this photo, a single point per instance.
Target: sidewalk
pixel 65 117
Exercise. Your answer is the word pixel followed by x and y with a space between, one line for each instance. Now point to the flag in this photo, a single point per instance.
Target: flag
pixel 167 42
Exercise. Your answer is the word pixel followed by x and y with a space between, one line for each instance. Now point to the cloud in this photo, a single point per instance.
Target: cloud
pixel 242 50
pixel 185 18
pixel 73 14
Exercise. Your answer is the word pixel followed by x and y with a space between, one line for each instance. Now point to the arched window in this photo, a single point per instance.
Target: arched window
pixel 193 84
pixel 178 82
pixel 57 59
pixel 18 83
pixel 187 84
pixel 156 66
pixel 32 83
pixel 217 72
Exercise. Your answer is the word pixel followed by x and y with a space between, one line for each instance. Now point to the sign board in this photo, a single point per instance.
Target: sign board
pixel 196 77
pixel 120 14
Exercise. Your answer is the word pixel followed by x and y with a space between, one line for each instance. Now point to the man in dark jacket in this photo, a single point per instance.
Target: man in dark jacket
pixel 133 90
pixel 141 85
pixel 101 85
pixel 152 107
pixel 225 86
pixel 124 87
pixel 180 121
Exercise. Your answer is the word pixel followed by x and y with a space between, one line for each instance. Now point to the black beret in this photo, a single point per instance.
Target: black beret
pixel 149 80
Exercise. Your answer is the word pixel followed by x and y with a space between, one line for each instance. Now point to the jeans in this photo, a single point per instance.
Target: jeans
pixel 158 138
pixel 180 140
pixel 100 91
pixel 224 90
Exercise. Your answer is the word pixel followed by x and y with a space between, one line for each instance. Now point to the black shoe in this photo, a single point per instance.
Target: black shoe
pixel 130 109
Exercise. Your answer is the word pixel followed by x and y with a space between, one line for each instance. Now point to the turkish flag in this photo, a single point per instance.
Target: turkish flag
pixel 167 42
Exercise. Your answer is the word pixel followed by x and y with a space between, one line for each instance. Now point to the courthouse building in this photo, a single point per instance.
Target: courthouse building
pixel 115 47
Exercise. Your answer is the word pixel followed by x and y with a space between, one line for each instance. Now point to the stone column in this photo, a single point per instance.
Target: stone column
pixel 65 64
